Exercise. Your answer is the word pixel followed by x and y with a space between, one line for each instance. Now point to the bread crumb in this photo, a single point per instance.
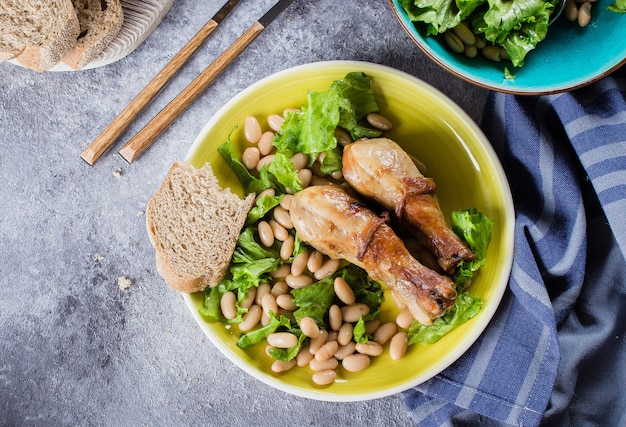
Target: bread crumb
pixel 98 258
pixel 117 172
pixel 124 283
pixel 140 214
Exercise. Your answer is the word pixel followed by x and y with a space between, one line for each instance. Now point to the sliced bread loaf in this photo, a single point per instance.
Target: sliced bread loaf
pixel 37 33
pixel 193 225
pixel 100 21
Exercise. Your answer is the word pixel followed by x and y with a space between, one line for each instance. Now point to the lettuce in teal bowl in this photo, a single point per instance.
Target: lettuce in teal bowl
pixel 568 57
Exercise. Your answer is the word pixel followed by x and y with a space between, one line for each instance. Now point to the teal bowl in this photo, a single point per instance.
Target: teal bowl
pixel 570 56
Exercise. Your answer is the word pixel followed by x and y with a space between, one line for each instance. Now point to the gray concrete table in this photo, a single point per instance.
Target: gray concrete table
pixel 75 347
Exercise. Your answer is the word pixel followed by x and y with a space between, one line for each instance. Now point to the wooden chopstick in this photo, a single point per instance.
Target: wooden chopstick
pixel 99 145
pixel 144 138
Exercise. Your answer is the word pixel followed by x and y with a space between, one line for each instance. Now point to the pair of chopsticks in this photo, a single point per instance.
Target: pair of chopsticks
pixel 142 140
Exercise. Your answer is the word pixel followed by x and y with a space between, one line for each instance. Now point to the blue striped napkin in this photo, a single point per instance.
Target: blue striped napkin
pixel 554 354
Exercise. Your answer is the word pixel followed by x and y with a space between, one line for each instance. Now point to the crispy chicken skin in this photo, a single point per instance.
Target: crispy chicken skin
pixel 381 170
pixel 342 227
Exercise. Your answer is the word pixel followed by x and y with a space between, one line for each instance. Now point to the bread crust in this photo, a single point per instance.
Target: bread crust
pixel 46 55
pixel 93 40
pixel 189 195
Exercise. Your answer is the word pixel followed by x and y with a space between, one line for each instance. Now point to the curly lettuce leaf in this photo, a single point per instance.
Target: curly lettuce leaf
pixel 517 25
pixel 262 206
pixel 249 182
pixel 258 335
pixel 476 229
pixel 312 130
pixel 619 6
pixel 314 300
pixel 465 307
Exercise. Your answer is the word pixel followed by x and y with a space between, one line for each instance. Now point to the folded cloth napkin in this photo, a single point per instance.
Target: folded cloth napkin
pixel 554 353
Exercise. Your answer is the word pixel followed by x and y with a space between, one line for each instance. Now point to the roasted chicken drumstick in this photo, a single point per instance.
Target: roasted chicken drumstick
pixel 380 169
pixel 342 227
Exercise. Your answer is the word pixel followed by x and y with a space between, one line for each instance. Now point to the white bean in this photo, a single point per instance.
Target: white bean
pixel 252 129
pixel 265 143
pixel 379 121
pixel 250 298
pixel 316 343
pixel 323 365
pixel 282 271
pixel 404 319
pixel 304 357
pixel 262 289
pixel 334 317
pixel 250 157
pixel 345 350
pixel 280 232
pixel 286 301
pixel 228 305
pixel 282 340
pixel 275 121
pixel 385 332
pixel 371 348
pixel 279 366
pixel 264 161
pixel 398 345
pixel 345 334
pixel 298 265
pixel 315 261
pixel 269 304
pixel 327 268
pixel 296 282
pixel 300 160
pixel 356 362
pixel 286 249
pixel 343 291
pixel 281 215
pixel 281 287
pixel 326 351
pixel 309 327
pixel 324 377
pixel 305 175
pixel 352 313
pixel 265 234
pixel 251 318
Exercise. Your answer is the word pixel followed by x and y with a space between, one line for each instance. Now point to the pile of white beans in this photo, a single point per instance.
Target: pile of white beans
pixel 333 346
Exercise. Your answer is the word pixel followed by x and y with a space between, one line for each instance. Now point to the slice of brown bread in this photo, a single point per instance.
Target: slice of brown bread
pixel 37 33
pixel 100 22
pixel 193 225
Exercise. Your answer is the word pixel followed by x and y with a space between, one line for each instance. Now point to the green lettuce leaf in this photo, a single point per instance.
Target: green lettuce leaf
pixel 619 6
pixel 286 354
pixel 250 183
pixel 258 335
pixel 476 229
pixel 517 25
pixel 285 172
pixel 465 307
pixel 261 207
pixel 314 300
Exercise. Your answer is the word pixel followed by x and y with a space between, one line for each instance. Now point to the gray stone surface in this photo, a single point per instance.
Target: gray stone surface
pixel 75 349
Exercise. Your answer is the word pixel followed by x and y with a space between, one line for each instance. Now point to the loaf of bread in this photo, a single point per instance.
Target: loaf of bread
pixel 37 33
pixel 40 34
pixel 194 225
pixel 100 22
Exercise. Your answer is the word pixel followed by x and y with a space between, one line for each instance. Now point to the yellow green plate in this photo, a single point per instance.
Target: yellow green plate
pixel 467 172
